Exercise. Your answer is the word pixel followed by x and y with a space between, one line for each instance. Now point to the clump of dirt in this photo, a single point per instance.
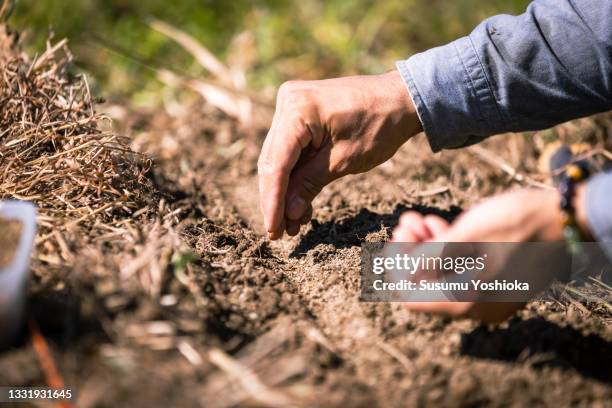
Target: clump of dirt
pixel 10 233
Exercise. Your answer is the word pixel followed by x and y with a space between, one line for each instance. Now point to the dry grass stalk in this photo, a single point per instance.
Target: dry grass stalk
pixel 494 160
pixel 204 57
pixel 250 381
pixel 53 150
pixel 91 188
pixel 396 354
pixel 230 95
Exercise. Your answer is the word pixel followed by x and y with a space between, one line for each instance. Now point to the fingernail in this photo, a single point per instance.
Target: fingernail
pixel 296 208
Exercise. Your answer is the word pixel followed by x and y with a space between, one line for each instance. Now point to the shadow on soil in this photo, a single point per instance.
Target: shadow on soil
pixel 62 318
pixel 542 343
pixel 352 231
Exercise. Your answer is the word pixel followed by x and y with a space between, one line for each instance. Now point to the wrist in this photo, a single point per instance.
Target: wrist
pixel 580 209
pixel 405 109
pixel 551 216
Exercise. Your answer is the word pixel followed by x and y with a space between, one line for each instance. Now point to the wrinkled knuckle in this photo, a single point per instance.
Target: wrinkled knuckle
pixel 287 88
pixel 294 96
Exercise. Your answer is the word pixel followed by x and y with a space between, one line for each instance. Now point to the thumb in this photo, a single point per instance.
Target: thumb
pixel 437 226
pixel 305 182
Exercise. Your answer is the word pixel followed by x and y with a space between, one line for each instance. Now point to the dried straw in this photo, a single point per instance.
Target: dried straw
pixel 56 151
pixel 53 149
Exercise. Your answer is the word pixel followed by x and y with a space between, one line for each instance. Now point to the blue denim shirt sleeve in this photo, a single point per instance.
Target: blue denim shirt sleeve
pixel 515 73
pixel 599 209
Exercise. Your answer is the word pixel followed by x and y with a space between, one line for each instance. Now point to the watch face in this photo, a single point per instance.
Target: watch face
pixel 10 237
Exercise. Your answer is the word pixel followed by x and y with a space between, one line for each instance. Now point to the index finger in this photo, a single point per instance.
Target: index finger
pixel 278 157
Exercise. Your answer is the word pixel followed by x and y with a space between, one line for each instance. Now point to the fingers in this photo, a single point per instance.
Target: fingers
pixel 452 309
pixel 404 235
pixel 293 226
pixel 414 227
pixel 488 312
pixel 436 225
pixel 296 205
pixel 307 216
pixel 411 228
pixel 280 153
pixel 305 183
pixel 274 169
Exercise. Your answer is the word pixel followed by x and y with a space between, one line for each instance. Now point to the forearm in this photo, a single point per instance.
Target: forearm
pixel 515 73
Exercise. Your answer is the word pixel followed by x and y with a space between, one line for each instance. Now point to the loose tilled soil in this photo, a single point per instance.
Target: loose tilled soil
pixel 232 319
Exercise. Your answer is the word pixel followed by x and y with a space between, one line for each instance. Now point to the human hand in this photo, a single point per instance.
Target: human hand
pixel 323 130
pixel 518 216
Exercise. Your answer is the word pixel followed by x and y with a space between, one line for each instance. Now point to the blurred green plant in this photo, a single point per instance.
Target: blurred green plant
pixel 274 39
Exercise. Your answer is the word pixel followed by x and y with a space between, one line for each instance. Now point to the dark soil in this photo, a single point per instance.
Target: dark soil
pixel 288 313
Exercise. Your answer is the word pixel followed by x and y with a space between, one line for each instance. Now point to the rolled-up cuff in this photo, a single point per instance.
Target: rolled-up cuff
pixel 452 95
pixel 599 212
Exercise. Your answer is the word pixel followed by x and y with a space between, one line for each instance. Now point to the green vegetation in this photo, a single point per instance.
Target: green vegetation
pixel 280 39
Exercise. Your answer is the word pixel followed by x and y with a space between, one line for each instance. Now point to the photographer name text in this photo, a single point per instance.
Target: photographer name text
pixel 472 285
